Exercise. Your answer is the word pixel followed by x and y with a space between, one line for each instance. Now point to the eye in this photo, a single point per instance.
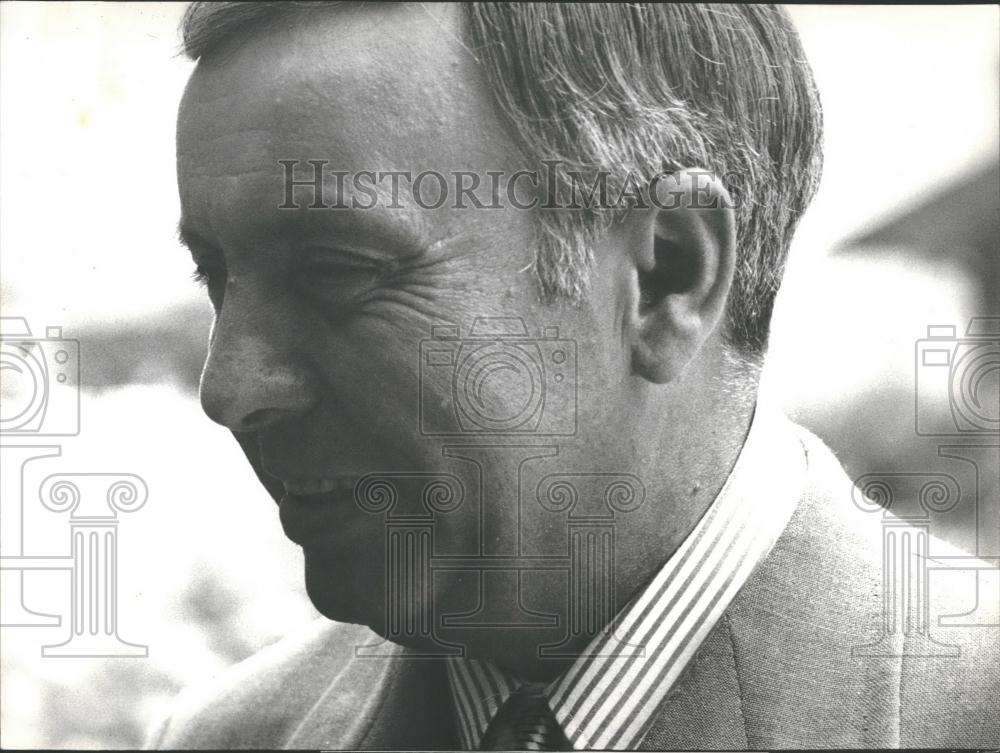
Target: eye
pixel 212 276
pixel 209 263
pixel 338 277
pixel 201 275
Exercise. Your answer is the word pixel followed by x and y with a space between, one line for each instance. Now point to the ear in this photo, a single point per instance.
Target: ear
pixel 684 252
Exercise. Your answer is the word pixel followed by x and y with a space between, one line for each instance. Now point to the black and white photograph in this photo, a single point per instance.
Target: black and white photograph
pixel 499 376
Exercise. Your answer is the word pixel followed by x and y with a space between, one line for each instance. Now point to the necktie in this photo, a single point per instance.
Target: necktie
pixel 525 722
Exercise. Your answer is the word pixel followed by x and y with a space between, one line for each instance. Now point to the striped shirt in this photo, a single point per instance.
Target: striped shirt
pixel 610 694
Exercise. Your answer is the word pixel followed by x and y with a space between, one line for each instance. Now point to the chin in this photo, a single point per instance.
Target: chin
pixel 340 593
pixel 351 594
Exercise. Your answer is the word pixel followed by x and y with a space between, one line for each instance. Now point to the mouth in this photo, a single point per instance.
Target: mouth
pixel 312 509
pixel 318 487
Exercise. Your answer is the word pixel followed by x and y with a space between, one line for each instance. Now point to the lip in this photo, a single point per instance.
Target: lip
pixel 310 519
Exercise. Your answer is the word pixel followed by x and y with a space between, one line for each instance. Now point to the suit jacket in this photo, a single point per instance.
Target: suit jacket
pixel 801 658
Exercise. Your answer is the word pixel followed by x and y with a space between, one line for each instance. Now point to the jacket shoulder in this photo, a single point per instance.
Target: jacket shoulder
pixel 259 702
pixel 798 618
pixel 812 641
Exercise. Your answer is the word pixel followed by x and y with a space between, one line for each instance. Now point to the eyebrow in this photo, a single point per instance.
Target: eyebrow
pixel 402 232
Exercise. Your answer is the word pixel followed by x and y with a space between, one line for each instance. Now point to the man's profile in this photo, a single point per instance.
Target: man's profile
pixel 513 420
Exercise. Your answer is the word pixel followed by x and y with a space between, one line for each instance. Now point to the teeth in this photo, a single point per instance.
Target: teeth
pixel 310 486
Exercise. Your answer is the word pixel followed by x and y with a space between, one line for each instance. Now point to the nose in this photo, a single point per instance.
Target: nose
pixel 250 382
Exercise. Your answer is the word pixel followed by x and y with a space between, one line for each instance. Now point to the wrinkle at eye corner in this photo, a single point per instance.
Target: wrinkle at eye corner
pixel 453 238
pixel 379 307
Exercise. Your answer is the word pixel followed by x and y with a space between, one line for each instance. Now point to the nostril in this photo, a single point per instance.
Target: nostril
pixel 249 384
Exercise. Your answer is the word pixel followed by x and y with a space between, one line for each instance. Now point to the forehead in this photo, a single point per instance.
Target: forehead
pixel 367 87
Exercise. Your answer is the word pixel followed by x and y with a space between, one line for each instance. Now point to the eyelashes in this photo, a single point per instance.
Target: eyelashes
pixel 212 279
pixel 201 276
pixel 206 275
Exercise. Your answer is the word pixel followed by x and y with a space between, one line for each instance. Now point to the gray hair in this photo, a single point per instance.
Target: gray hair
pixel 633 91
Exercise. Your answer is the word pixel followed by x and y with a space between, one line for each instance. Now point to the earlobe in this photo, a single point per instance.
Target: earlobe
pixel 684 255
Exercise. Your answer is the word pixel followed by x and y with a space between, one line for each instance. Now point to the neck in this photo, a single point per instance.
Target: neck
pixel 699 443
pixel 695 434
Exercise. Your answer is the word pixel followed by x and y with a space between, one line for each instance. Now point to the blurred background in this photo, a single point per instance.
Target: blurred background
pixel 903 235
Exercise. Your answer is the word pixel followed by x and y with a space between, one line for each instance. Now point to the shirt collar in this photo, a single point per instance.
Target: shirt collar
pixel 610 694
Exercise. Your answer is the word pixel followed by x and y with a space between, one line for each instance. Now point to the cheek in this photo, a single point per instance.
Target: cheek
pixel 370 373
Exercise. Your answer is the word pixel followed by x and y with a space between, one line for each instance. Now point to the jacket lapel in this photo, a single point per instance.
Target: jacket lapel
pixel 702 710
pixel 390 701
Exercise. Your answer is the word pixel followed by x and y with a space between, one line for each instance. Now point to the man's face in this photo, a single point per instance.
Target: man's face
pixel 322 359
